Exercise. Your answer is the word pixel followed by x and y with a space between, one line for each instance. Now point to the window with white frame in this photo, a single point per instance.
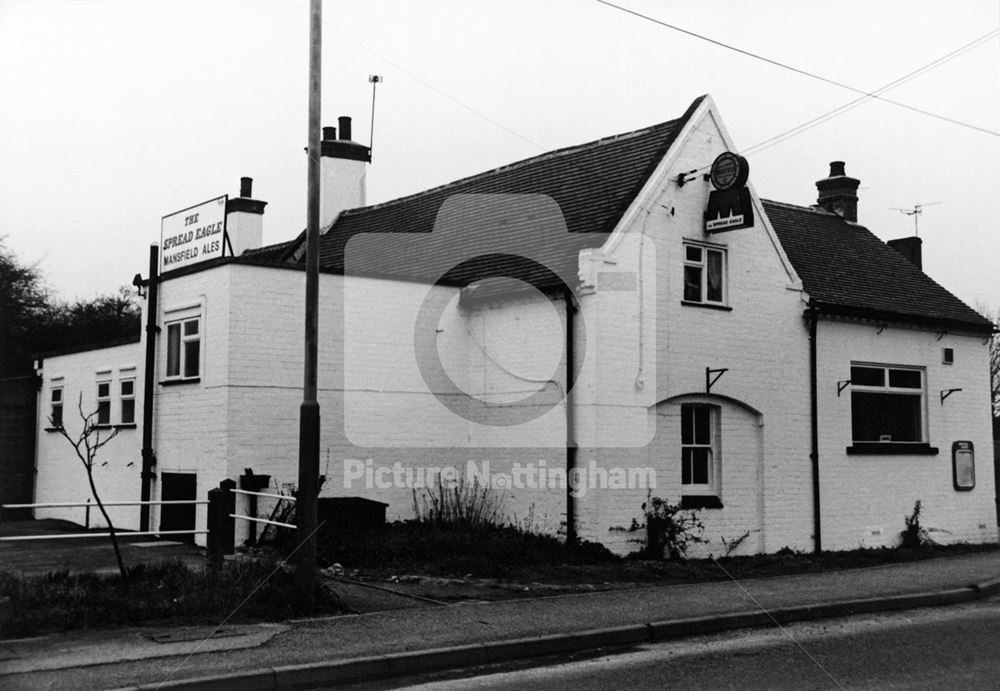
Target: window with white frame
pixel 184 349
pixel 699 448
pixel 126 390
pixel 104 398
pixel 887 403
pixel 56 406
pixel 704 274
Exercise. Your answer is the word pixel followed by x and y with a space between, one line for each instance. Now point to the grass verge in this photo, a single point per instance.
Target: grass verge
pixel 169 593
pixel 507 553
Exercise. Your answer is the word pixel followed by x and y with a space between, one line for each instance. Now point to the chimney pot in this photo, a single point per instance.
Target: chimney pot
pixel 838 193
pixel 344 122
pixel 329 134
pixel 246 187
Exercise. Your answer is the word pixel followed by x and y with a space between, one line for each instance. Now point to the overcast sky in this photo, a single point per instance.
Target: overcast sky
pixel 114 114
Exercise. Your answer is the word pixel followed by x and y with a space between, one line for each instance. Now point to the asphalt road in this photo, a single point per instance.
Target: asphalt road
pixel 955 647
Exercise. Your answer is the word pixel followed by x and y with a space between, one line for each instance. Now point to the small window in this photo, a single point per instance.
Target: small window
pixel 104 402
pixel 184 349
pixel 699 448
pixel 127 391
pixel 56 407
pixel 948 356
pixel 704 275
pixel 887 404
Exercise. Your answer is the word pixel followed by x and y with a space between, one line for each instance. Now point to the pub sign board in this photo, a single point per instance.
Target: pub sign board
pixel 963 465
pixel 729 204
pixel 193 235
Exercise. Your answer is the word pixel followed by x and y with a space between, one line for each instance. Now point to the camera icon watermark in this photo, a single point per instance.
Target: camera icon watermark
pixel 471 335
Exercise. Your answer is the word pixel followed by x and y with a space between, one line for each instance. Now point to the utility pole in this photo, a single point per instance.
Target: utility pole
pixel 306 500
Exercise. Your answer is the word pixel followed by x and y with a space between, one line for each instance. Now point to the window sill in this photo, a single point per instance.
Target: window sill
pixel 700 501
pixel 707 305
pixel 53 429
pixel 126 425
pixel 103 425
pixel 889 448
pixel 175 382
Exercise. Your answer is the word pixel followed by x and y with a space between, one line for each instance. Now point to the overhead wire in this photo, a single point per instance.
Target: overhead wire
pixel 850 105
pixel 797 70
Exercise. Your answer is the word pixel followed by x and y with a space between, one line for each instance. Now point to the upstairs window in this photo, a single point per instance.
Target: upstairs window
pixel 704 275
pixel 104 402
pixel 127 392
pixel 887 404
pixel 699 448
pixel 184 349
pixel 56 406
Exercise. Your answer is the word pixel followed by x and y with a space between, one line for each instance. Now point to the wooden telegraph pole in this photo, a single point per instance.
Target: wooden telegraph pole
pixel 305 505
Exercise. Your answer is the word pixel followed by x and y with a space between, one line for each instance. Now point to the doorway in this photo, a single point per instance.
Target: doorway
pixel 175 487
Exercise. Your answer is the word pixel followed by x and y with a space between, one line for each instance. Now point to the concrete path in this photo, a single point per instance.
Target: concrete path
pixel 402 641
pixel 93 554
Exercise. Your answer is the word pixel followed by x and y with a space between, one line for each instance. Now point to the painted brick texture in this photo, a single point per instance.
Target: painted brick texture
pixel 865 497
pixel 61 475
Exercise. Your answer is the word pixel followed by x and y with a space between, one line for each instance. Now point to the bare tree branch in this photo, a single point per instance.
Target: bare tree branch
pixel 87 456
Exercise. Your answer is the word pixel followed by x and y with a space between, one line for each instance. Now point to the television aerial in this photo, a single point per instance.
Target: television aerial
pixel 915 212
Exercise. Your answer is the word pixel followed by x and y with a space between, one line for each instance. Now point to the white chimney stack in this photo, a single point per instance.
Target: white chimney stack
pixel 245 220
pixel 342 172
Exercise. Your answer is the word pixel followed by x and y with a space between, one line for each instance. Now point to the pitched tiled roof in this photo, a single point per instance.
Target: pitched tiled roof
pixel 847 270
pixel 593 184
pixel 272 253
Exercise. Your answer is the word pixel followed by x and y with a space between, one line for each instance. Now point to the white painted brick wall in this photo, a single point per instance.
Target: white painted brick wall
pixel 61 475
pixel 865 498
pixel 763 343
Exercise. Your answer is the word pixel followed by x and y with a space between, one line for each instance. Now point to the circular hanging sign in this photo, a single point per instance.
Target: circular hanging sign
pixel 729 170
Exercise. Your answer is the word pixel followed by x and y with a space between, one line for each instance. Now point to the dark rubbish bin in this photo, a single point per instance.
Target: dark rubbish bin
pixel 351 514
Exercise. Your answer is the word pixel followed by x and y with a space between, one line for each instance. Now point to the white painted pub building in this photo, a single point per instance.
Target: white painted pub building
pixel 627 313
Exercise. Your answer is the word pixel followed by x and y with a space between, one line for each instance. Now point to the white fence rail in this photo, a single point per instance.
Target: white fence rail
pixel 265 521
pixel 88 505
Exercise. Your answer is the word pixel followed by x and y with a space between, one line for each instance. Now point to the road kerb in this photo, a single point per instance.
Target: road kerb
pixel 987 588
pixel 314 674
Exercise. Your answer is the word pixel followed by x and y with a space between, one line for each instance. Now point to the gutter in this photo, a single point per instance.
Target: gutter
pixel 812 314
pixel 148 457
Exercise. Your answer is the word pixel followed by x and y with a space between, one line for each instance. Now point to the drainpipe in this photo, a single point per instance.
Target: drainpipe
pixel 570 423
pixel 813 316
pixel 148 457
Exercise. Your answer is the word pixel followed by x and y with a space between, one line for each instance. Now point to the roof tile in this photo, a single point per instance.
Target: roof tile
pixel 846 269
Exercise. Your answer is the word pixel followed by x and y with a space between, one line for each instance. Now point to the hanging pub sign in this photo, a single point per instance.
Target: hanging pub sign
pixel 729 204
pixel 963 465
pixel 194 234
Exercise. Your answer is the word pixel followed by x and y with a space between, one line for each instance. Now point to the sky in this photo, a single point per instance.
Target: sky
pixel 114 114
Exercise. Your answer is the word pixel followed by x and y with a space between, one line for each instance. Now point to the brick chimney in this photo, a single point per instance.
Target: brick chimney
pixel 244 220
pixel 342 172
pixel 839 193
pixel 910 248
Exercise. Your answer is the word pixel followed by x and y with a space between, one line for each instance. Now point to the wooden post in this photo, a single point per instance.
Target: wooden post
pixel 221 527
